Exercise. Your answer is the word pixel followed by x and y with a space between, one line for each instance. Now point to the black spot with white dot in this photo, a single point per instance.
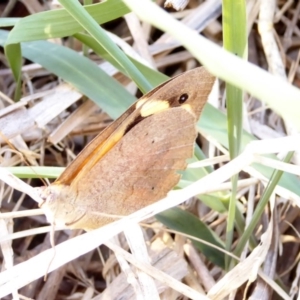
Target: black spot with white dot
pixel 183 98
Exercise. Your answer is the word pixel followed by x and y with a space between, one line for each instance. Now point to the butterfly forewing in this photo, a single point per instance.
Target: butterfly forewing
pixel 140 169
pixel 135 161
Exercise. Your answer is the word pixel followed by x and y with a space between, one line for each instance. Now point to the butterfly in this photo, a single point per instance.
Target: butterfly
pixel 134 161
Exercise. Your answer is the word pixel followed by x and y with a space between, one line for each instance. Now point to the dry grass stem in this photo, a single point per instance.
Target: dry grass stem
pixel 180 253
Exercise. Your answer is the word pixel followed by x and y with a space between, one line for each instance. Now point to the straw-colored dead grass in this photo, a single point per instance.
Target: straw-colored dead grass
pixel 52 123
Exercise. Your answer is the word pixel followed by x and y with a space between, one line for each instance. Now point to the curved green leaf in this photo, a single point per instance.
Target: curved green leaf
pixel 59 23
pixel 187 223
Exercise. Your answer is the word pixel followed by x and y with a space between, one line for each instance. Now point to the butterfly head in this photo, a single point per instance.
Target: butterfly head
pixel 58 204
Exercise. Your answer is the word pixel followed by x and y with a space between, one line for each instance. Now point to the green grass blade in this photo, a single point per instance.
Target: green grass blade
pixel 15 63
pixel 235 41
pixel 187 223
pixel 8 22
pixel 90 25
pixel 58 23
pixel 276 176
pixel 81 72
pixel 154 77
pixel 36 172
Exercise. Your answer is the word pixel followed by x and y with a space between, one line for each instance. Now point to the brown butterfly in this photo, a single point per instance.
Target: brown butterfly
pixel 133 162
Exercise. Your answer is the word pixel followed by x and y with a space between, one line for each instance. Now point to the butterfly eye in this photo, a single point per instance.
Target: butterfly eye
pixel 183 98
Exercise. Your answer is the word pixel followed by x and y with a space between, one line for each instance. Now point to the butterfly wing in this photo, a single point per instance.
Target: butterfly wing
pixel 81 160
pixel 136 161
pixel 114 129
pixel 140 169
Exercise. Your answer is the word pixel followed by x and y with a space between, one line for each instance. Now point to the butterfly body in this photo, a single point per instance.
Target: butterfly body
pixel 133 162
